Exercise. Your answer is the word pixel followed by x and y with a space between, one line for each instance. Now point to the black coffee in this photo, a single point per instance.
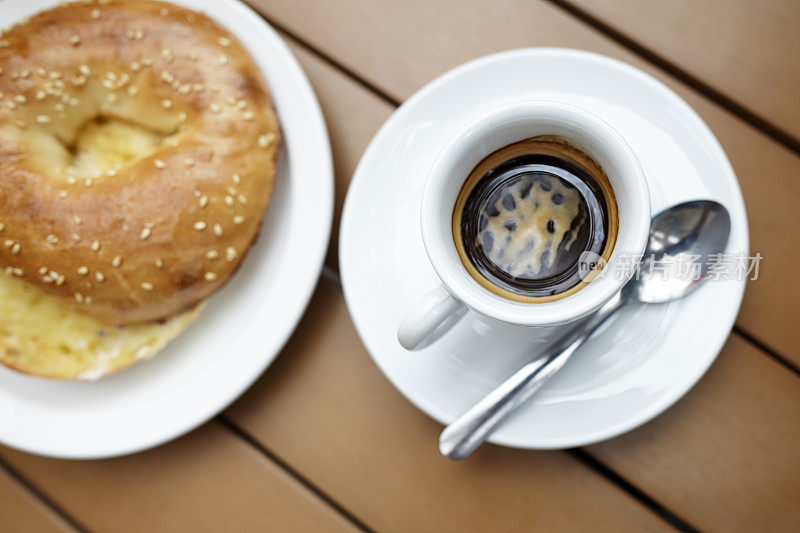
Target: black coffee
pixel 527 216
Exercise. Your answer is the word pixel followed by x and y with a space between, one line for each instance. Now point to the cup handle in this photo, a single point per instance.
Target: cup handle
pixel 426 316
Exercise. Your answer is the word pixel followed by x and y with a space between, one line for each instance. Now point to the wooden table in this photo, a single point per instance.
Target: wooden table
pixel 323 442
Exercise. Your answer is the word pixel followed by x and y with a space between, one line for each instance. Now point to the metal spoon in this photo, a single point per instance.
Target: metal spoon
pixel 686 234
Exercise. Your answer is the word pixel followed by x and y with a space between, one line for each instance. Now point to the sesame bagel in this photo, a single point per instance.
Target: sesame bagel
pixel 137 156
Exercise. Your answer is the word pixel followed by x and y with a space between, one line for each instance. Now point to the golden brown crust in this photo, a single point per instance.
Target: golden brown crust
pixel 160 232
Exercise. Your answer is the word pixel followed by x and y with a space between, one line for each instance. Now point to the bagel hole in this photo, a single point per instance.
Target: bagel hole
pixel 106 143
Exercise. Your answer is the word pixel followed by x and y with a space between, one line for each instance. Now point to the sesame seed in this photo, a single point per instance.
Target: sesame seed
pixel 8 243
pixel 200 225
pixel 265 140
pixel 237 179
pixel 95 246
pixel 224 41
pixel 88 182
pixel 2 226
pixel 238 219
pixel 212 254
pixel 203 201
pixel 20 98
pixel 83 69
pixel 166 53
pixel 159 262
pixel 14 271
pixel 78 220
pixel 99 276
pixel 40 95
pixel 42 271
pixel 75 237
pixel 83 270
pixel 74 40
pixel 229 200
pixel 242 199
pixel 222 60
pixel 214 107
pixel 145 233
pixel 111 173
pixel 42 119
pixel 87 300
pixel 210 276
pixel 166 104
pixel 60 281
pixel 248 116
pixel 159 163
pixel 52 239
pixel 111 97
pixel 218 230
pixel 147 286
pixel 230 254
pixel 78 297
pixel 95 14
pixel 47 279
pixel 117 261
pixel 133 90
pixel 182 116
pixel 189 162
pixel 15 248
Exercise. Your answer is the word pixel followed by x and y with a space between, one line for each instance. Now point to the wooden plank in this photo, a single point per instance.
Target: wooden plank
pixel 353 115
pixel 327 410
pixel 399 46
pixel 209 480
pixel 743 49
pixel 21 510
pixel 725 456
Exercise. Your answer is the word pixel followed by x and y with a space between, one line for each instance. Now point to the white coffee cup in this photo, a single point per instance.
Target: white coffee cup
pixel 484 135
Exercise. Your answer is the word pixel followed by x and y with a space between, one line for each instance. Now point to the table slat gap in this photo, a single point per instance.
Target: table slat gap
pixel 741 110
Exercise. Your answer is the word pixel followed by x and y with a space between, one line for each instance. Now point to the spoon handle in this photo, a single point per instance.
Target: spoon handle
pixel 468 431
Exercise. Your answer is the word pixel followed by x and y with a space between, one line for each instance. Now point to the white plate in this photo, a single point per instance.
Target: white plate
pixel 242 328
pixel 641 363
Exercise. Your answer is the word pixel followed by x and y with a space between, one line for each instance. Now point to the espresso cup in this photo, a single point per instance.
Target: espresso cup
pixel 491 131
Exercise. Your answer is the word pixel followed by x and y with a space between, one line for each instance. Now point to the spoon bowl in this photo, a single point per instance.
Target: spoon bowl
pixel 685 241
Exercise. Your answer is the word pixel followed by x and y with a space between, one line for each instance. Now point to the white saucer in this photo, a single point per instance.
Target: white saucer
pixel 242 328
pixel 635 368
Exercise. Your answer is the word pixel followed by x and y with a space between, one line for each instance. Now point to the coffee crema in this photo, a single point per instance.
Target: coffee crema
pixel 526 215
